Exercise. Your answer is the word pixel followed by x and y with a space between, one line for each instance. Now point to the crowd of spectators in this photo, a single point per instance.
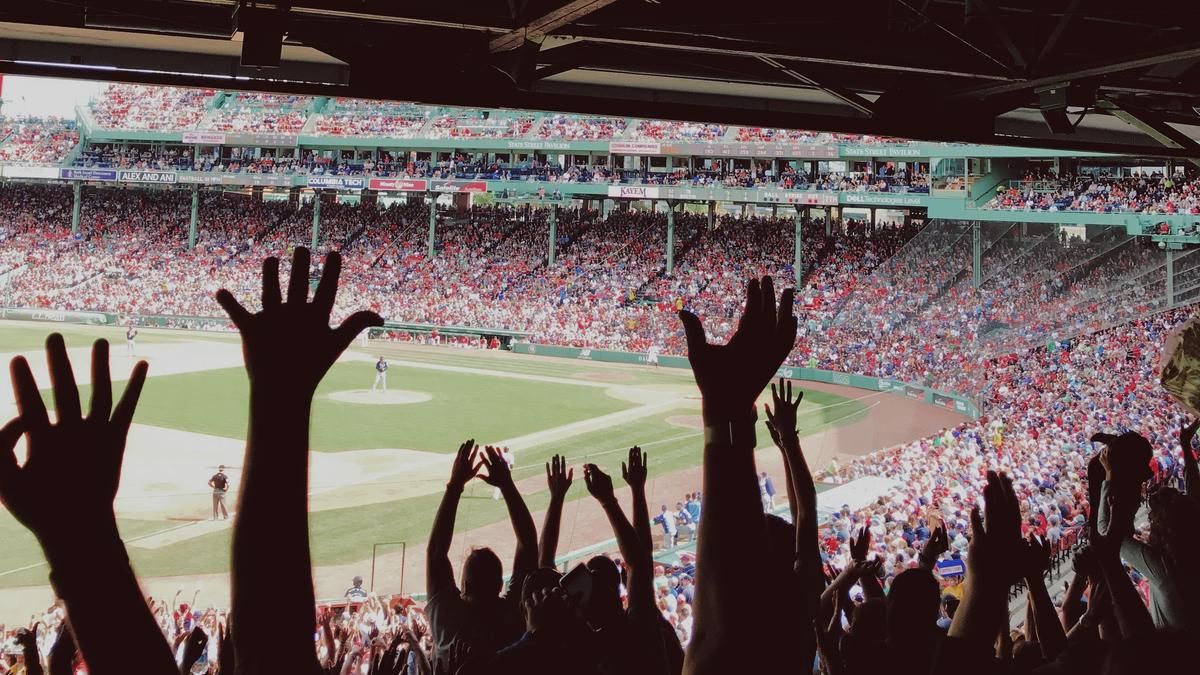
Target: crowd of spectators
pixel 1101 192
pixel 36 141
pixel 849 595
pixel 259 113
pixel 667 130
pixel 141 107
pixel 351 117
pixel 579 128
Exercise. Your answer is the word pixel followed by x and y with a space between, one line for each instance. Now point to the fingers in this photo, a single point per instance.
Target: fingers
pixel 62 379
pixel 237 314
pixel 30 405
pixel 327 289
pixel 270 283
pixel 767 294
pixel 298 284
pixel 693 330
pixel 101 405
pixel 123 415
pixel 353 325
pixel 9 435
pixel 977 523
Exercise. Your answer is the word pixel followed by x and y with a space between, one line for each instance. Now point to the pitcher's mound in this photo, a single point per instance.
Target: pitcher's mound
pixel 389 397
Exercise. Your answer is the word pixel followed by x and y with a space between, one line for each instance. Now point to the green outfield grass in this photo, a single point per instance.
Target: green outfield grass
pixel 464 404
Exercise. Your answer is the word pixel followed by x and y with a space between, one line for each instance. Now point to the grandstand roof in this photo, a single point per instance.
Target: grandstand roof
pixel 1118 76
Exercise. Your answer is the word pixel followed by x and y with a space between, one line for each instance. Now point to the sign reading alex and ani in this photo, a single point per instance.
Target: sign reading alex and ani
pixel 128 176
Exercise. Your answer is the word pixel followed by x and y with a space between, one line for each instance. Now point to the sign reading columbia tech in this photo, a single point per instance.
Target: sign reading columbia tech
pixel 337 182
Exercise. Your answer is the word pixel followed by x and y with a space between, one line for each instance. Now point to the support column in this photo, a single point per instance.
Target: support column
pixel 195 216
pixel 976 254
pixel 432 224
pixel 670 238
pixel 76 207
pixel 316 233
pixel 798 263
pixel 712 215
pixel 1170 278
pixel 553 235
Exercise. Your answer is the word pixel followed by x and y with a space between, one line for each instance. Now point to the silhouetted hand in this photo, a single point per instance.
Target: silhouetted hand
pixel 599 484
pixel 27 639
pixel 463 469
pixel 634 471
pixel 1106 462
pixel 62 655
pixel 731 376
pixel 558 476
pixel 498 474
pixel 939 543
pixel 1084 561
pixel 781 419
pixel 860 546
pixel 65 490
pixel 1186 435
pixel 197 642
pixel 1035 558
pixel 289 345
pixel 996 536
pixel 225 661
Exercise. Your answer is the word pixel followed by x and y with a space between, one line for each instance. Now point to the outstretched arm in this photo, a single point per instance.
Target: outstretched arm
pixel 288 348
pixel 1050 634
pixel 64 495
pixel 634 551
pixel 498 475
pixel 558 479
pixel 1191 473
pixel 730 378
pixel 635 473
pixel 802 492
pixel 438 573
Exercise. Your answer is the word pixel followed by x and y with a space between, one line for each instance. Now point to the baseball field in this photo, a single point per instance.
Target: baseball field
pixel 379 460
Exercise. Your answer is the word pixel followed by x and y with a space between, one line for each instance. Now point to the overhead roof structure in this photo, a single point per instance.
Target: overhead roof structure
pixel 1095 75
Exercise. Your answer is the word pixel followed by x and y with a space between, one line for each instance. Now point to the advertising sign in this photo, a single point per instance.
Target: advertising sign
pixel 634 147
pixel 204 137
pixel 397 185
pixel 455 186
pixel 337 182
pixel 632 192
pixel 883 199
pixel 87 174
pixel 147 177
pixel 50 172
pixel 799 197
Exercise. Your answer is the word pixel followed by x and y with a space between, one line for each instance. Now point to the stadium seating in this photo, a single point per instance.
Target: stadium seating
pixel 36 141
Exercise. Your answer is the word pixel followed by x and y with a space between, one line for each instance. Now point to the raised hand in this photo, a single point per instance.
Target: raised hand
pixel 498 474
pixel 558 476
pixel 996 536
pixel 1035 558
pixel 65 490
pixel 938 544
pixel 634 471
pixel 289 345
pixel 781 414
pixel 197 642
pixel 860 546
pixel 62 655
pixel 1186 435
pixel 731 376
pixel 464 469
pixel 599 484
